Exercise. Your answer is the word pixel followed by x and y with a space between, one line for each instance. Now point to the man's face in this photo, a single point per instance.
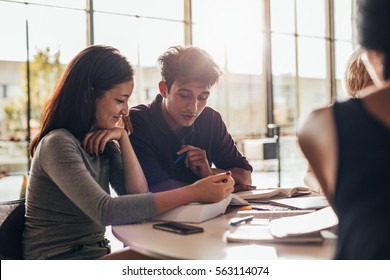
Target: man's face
pixel 184 103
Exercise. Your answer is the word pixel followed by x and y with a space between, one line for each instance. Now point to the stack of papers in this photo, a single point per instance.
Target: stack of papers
pixel 303 224
pixel 304 228
pixel 302 203
pixel 262 234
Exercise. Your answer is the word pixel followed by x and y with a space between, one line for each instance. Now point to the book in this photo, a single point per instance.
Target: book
pixel 305 228
pixel 264 194
pixel 200 212
pixel 302 203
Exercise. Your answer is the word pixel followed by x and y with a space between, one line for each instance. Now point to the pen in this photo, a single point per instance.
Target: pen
pixel 180 157
pixel 227 173
pixel 261 208
pixel 240 220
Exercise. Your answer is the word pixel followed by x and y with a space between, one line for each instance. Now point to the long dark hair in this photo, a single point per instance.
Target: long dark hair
pixel 373 25
pixel 91 72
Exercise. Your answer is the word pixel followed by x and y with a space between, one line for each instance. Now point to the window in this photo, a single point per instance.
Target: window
pixel 142 31
pixel 310 41
pixel 344 43
pixel 42 30
pixel 232 32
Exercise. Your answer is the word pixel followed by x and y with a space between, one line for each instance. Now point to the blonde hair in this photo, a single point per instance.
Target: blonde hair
pixel 356 76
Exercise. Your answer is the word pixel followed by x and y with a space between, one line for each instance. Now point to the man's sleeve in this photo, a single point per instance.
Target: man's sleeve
pixel 227 155
pixel 143 143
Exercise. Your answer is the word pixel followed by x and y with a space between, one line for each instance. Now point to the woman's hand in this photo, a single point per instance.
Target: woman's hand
pixel 207 190
pixel 95 141
pixel 213 188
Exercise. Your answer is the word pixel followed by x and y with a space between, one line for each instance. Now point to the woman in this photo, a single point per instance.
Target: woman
pixel 355 80
pixel 79 151
pixel 347 146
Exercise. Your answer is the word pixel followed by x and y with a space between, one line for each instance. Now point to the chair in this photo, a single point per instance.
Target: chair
pixel 11 229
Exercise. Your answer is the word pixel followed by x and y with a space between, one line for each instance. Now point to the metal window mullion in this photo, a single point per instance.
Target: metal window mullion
pixel 267 66
pixel 297 84
pixel 331 73
pixel 188 22
pixel 90 24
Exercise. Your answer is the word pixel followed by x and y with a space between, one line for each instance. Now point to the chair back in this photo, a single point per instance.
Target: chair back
pixel 11 229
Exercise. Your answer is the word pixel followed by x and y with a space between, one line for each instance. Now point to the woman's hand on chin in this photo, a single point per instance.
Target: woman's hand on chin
pixel 96 140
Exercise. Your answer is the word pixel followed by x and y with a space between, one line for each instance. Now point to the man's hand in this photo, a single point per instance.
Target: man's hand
pixel 242 187
pixel 196 160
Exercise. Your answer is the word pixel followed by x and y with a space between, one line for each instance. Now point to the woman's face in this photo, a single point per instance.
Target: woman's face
pixel 113 105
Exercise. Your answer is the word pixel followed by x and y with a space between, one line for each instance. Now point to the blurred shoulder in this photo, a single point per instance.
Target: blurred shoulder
pixel 139 109
pixel 317 123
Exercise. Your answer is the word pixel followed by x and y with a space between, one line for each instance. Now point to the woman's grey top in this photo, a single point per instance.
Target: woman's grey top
pixel 68 199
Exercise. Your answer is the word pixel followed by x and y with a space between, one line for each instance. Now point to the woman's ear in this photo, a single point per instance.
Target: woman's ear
pixel 163 88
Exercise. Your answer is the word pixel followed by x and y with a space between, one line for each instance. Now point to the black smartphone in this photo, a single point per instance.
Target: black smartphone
pixel 178 228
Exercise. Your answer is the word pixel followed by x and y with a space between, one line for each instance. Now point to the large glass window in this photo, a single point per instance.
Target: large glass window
pixel 167 9
pixel 299 58
pixel 305 33
pixel 232 32
pixel 309 40
pixel 312 75
pixel 344 44
pixel 284 78
pixel 13 147
pixel 51 36
pixel 54 40
pixel 144 30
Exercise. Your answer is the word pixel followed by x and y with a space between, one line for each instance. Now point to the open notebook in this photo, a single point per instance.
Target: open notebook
pixel 266 194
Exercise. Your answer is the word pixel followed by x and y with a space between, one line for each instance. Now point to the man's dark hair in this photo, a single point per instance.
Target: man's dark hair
pixel 186 64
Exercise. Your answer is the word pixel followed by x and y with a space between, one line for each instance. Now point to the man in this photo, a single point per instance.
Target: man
pixel 176 137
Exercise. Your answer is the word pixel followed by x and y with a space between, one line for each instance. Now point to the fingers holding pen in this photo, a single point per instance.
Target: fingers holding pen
pixel 225 183
pixel 226 180
pixel 213 188
pixel 195 159
pixel 192 154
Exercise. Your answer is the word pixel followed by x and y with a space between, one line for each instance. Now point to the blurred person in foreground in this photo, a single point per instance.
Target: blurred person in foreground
pixel 347 146
pixel 355 80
